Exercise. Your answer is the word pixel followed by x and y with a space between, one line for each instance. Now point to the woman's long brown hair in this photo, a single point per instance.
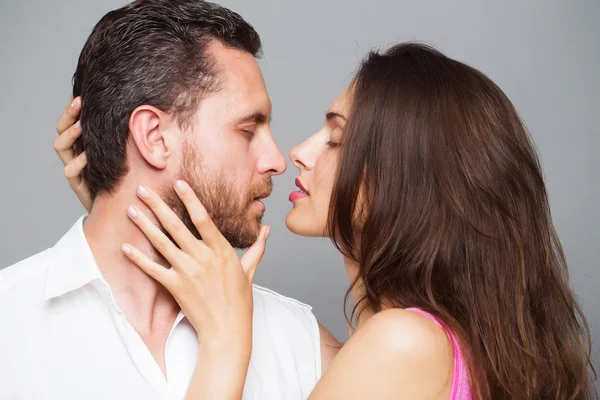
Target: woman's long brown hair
pixel 453 218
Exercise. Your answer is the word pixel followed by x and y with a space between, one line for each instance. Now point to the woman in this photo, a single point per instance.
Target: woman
pixel 425 179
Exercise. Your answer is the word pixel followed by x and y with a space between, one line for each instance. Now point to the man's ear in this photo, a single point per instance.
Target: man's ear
pixel 149 129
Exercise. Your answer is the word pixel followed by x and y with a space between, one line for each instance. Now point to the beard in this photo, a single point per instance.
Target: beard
pixel 229 210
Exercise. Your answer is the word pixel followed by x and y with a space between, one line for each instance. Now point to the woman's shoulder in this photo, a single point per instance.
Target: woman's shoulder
pixel 401 332
pixel 403 352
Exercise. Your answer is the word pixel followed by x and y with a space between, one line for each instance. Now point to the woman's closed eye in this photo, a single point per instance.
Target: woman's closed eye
pixel 335 138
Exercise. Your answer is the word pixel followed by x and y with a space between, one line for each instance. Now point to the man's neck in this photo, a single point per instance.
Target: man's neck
pixel 147 305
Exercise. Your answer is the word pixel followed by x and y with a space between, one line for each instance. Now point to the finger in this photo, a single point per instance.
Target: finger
pixel 211 235
pixel 171 222
pixel 74 169
pixel 158 239
pixel 254 254
pixel 69 115
pixel 63 144
pixel 156 271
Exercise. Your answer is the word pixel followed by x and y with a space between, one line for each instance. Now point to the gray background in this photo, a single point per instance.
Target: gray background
pixel 544 54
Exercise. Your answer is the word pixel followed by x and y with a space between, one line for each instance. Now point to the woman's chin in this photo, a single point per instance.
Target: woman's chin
pixel 303 225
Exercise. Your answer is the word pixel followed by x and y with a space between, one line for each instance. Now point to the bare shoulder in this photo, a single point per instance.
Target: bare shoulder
pixel 403 331
pixel 397 354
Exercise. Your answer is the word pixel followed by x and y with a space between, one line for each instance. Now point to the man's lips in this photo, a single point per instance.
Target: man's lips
pixel 262 196
pixel 258 201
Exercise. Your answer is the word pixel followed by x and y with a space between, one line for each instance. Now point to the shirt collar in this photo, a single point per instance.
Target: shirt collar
pixel 72 263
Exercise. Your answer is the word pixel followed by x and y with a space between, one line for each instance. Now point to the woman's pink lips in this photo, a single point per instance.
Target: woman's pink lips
pixel 299 194
pixel 299 184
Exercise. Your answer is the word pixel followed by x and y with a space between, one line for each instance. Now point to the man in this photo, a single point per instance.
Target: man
pixel 171 90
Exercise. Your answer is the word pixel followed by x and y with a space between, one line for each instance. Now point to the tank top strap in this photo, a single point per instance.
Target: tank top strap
pixel 461 388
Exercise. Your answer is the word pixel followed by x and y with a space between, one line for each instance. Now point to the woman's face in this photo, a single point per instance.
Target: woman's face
pixel 316 158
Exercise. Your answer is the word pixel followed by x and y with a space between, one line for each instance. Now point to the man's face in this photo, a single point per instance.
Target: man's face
pixel 229 154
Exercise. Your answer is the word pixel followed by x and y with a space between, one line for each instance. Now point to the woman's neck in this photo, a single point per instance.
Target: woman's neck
pixel 358 292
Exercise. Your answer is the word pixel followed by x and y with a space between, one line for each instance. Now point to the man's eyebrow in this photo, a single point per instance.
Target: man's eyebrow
pixel 258 117
pixel 332 115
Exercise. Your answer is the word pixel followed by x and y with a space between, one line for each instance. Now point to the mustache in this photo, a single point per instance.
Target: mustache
pixel 263 188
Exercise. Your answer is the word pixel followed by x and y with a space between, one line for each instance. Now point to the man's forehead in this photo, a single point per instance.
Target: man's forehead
pixel 242 95
pixel 235 106
pixel 248 106
pixel 247 98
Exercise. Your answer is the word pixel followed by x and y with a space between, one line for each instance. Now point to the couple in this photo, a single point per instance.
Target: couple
pixel 422 175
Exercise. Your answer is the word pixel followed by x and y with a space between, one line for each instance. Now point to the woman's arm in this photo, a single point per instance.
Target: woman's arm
pixel 220 374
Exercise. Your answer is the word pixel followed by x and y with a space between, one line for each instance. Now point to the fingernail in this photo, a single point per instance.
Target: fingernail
pixel 83 156
pixel 73 103
pixel 126 249
pixel 180 186
pixel 143 192
pixel 77 124
pixel 132 211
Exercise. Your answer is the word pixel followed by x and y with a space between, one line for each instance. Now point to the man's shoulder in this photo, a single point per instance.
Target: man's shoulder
pixel 22 288
pixel 288 326
pixel 274 298
pixel 282 311
pixel 31 270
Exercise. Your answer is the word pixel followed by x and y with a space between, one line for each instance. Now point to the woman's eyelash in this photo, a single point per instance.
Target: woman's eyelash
pixel 332 144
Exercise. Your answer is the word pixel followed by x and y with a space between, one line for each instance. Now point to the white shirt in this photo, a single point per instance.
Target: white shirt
pixel 62 336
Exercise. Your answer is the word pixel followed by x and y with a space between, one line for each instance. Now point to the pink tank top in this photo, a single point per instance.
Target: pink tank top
pixel 461 388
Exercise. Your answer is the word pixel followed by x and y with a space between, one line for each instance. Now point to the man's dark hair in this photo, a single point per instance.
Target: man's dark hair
pixel 148 52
